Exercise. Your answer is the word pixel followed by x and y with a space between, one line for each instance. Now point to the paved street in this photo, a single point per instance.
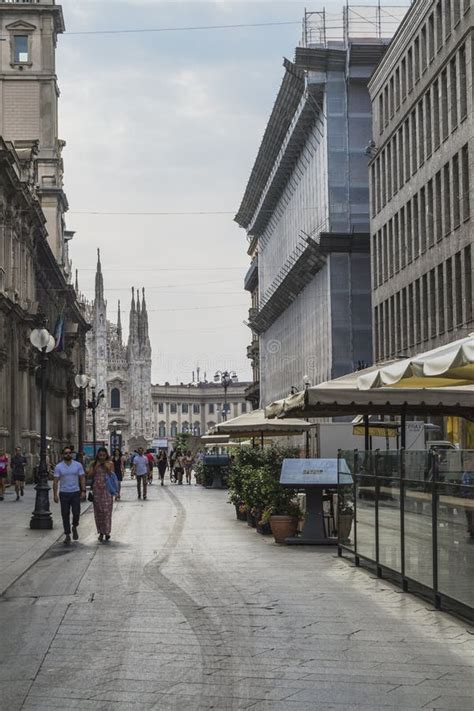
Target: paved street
pixel 188 608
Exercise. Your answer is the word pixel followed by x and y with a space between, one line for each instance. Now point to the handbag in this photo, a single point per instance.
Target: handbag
pixel 112 483
pixel 90 496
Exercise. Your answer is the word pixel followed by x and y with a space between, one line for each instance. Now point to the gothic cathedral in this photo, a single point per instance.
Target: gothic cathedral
pixel 123 372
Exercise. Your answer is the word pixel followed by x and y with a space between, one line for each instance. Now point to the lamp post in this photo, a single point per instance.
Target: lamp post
pixel 225 378
pixel 115 437
pixel 82 381
pixel 41 518
pixel 93 404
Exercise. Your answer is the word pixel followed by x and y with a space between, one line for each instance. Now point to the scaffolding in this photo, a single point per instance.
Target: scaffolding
pixel 368 22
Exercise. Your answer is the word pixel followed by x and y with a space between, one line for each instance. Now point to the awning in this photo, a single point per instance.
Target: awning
pixel 342 397
pixel 446 366
pixel 254 424
pixel 215 439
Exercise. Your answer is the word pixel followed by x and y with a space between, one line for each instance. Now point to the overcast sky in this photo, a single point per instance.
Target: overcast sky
pixel 170 122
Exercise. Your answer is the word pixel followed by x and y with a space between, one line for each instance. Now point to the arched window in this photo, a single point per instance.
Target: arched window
pixel 185 427
pixel 174 429
pixel 162 429
pixel 197 429
pixel 210 425
pixel 115 399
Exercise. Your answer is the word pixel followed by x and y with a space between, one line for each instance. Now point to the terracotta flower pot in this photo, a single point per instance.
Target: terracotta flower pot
pixel 283 527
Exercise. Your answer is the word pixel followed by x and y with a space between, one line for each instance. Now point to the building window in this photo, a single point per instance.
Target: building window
pixel 243 407
pixel 173 408
pixel 196 409
pixel 185 427
pixel 197 429
pixel 440 291
pixel 468 284
pixel 462 84
pixel 458 285
pixel 465 182
pixel 115 399
pixel 210 425
pixel 185 408
pixel 162 430
pixel 449 294
pixel 211 408
pixel 161 408
pixel 456 193
pixel 20 49
pixel 174 429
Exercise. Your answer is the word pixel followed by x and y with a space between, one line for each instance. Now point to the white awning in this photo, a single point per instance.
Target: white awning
pixel 254 424
pixel 446 366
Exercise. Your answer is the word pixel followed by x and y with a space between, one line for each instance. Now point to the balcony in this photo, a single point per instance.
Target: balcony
pixel 253 350
pixel 251 278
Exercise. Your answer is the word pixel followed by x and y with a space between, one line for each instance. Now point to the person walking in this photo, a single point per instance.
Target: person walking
pixel 18 465
pixel 3 472
pixel 70 481
pixel 140 468
pixel 162 465
pixel 188 466
pixel 172 466
pixel 179 467
pixel 119 468
pixel 151 464
pixel 102 468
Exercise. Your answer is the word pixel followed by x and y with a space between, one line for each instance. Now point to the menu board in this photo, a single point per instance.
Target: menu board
pixel 314 472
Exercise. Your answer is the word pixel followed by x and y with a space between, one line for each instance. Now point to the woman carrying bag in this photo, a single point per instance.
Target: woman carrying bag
pixel 105 486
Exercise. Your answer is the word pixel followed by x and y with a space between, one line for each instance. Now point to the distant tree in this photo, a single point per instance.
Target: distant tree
pixel 181 441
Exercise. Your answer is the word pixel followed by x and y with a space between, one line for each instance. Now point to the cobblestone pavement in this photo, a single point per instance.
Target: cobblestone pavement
pixel 187 608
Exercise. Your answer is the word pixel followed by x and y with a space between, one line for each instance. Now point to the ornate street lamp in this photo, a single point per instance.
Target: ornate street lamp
pixel 225 378
pixel 93 404
pixel 41 518
pixel 82 381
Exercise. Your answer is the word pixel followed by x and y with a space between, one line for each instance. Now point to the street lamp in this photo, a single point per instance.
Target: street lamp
pixel 225 378
pixel 93 404
pixel 82 381
pixel 115 437
pixel 44 342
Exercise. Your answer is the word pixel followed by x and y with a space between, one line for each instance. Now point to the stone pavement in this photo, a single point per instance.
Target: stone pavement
pixel 187 608
pixel 20 547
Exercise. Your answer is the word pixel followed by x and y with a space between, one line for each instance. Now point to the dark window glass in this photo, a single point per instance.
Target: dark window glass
pixel 20 44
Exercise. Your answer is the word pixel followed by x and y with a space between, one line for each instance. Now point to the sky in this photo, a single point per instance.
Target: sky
pixel 170 122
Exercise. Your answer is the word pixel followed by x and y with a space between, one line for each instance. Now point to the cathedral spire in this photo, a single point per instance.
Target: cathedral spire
pixel 139 318
pixel 144 318
pixel 99 281
pixel 119 325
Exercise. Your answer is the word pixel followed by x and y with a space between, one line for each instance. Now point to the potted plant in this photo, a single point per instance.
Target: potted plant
pixel 283 520
pixel 345 513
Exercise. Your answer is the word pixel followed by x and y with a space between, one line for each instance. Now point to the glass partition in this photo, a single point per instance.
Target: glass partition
pixel 411 512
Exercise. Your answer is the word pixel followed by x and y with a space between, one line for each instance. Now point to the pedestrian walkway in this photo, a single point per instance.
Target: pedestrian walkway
pixel 187 608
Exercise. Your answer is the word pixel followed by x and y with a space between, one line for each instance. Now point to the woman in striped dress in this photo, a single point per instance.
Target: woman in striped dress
pixel 103 500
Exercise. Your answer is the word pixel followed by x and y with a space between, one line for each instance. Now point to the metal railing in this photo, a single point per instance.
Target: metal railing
pixel 411 515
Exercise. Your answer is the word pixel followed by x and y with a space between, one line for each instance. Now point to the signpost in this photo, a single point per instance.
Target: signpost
pixel 314 475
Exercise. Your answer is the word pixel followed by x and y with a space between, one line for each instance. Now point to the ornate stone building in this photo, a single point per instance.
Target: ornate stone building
pixel 34 263
pixel 32 283
pixel 122 371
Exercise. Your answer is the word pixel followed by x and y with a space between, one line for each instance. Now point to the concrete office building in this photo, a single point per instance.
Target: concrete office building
pixel 306 210
pixel 422 181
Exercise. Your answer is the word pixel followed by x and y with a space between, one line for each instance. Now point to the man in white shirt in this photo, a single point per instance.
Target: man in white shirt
pixel 70 479
pixel 140 468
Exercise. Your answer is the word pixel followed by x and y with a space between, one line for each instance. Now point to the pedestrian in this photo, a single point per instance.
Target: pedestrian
pixel 151 464
pixel 188 466
pixel 172 465
pixel 18 465
pixel 3 471
pixel 179 467
pixel 162 465
pixel 140 469
pixel 70 480
pixel 101 472
pixel 119 468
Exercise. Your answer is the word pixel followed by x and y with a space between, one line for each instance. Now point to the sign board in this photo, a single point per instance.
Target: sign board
pixel 314 472
pixel 161 443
